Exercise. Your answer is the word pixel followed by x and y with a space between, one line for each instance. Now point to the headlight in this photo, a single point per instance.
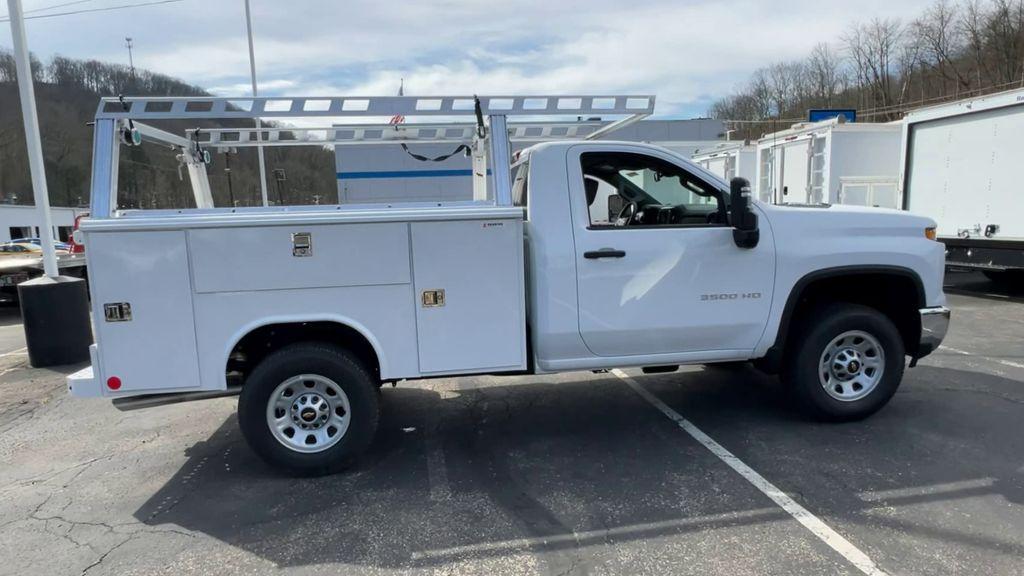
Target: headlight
pixel 929 232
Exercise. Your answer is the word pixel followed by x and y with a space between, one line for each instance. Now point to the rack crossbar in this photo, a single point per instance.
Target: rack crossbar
pixel 361 134
pixel 181 108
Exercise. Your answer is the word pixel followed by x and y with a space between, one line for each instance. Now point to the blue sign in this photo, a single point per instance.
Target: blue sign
pixel 818 115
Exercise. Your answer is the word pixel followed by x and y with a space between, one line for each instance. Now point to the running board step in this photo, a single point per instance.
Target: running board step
pixel 154 400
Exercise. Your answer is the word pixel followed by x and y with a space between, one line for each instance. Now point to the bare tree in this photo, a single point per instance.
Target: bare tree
pixel 1003 35
pixel 940 39
pixel 824 74
pixel 873 48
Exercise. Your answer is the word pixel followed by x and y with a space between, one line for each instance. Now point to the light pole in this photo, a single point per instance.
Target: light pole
pixel 131 61
pixel 35 149
pixel 255 94
pixel 54 308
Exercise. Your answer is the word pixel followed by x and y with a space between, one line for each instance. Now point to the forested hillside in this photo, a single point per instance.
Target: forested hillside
pixel 881 67
pixel 67 94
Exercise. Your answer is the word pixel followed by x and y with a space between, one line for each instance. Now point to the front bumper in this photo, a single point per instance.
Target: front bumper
pixel 934 324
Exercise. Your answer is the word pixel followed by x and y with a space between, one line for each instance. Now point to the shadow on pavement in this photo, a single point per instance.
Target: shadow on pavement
pixel 10 314
pixel 545 466
pixel 977 285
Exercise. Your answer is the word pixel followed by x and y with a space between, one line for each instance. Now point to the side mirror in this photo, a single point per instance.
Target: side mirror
pixel 742 218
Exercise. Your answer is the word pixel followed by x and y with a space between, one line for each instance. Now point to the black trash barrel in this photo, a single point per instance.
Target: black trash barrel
pixel 55 312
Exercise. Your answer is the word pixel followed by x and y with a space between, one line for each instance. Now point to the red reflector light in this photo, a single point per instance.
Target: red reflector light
pixel 113 383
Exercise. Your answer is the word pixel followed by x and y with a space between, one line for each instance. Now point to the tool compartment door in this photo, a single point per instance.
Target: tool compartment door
pixel 154 350
pixel 481 324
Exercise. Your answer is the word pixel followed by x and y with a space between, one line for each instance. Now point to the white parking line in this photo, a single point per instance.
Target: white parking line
pixel 827 535
pixel 996 360
pixel 928 490
pixel 17 352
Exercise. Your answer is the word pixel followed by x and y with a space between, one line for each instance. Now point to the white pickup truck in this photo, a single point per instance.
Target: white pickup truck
pixel 578 255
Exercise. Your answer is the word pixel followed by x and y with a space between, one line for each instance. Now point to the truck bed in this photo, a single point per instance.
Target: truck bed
pixel 366 268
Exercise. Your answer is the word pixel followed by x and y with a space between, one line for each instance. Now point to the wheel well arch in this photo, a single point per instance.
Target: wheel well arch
pixel 255 341
pixel 895 291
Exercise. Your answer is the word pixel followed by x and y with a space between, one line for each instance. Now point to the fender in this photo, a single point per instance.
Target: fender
pixel 772 360
pixel 342 320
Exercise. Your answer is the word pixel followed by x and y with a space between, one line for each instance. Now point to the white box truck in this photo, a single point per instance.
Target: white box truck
pixel 960 165
pixel 729 160
pixel 830 162
pixel 324 304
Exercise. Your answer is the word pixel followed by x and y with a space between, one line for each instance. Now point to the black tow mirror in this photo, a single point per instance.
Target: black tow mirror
pixel 741 215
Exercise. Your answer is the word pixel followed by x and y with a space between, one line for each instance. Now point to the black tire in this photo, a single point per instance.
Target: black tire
pixel 338 365
pixel 801 370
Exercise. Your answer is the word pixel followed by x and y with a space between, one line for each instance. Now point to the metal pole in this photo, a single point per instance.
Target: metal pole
pixel 32 138
pixel 255 94
pixel 131 61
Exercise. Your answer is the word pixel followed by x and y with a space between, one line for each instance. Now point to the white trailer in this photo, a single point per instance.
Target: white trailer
pixel 830 162
pixel 729 160
pixel 960 165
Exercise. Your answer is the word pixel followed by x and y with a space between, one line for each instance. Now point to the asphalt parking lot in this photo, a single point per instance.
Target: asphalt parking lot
pixel 572 474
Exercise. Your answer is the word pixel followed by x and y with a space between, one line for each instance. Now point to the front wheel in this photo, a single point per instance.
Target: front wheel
pixel 847 364
pixel 309 408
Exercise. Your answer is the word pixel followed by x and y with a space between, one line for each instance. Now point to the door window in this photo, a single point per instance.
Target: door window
pixel 625 189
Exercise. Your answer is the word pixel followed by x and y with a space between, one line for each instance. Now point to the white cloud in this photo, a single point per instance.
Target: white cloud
pixel 686 52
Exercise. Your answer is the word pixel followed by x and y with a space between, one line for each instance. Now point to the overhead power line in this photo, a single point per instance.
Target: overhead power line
pixel 62 5
pixel 89 10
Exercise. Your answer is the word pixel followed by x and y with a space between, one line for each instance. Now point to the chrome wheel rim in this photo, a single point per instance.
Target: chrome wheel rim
pixel 851 366
pixel 308 413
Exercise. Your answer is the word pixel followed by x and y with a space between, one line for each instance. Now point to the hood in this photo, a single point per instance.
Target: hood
pixel 823 221
pixel 841 213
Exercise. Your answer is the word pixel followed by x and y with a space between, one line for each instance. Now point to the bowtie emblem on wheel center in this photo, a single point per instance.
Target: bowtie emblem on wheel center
pixel 309 414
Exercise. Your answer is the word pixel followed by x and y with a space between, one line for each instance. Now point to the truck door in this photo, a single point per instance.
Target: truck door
pixel 659 273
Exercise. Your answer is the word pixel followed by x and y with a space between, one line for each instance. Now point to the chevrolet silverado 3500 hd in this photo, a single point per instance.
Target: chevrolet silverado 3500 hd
pixel 576 255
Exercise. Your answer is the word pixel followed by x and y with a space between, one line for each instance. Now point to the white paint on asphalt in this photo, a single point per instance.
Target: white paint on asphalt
pixel 990 359
pixel 826 534
pixel 630 532
pixel 928 490
pixel 18 352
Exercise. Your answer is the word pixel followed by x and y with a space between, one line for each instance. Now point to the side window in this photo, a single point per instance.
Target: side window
pixel 627 189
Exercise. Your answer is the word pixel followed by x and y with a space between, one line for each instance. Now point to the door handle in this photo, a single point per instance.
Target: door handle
pixel 604 253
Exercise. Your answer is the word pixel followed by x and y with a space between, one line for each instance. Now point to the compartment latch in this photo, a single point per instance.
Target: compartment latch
pixel 302 244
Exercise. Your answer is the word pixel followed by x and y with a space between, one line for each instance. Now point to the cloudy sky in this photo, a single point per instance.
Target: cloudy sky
pixel 688 52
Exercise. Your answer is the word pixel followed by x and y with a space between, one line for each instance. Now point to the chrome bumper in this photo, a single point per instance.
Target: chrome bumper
pixel 934 323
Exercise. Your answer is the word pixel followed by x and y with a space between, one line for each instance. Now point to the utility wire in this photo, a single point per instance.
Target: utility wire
pixel 88 10
pixel 45 8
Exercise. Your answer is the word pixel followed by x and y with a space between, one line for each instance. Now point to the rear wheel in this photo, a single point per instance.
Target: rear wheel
pixel 309 408
pixel 847 364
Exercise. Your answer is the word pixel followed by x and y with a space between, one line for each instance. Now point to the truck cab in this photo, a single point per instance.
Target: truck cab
pixel 633 260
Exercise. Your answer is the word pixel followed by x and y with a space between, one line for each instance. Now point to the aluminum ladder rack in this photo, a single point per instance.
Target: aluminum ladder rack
pixel 117 123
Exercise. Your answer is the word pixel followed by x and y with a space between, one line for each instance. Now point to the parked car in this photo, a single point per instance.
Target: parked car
pixel 20 249
pixel 60 246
